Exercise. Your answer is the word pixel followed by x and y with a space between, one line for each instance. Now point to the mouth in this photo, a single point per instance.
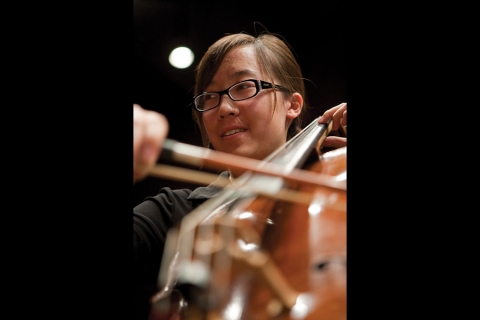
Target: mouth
pixel 229 133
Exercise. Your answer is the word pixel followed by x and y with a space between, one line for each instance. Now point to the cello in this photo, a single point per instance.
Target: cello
pixel 246 254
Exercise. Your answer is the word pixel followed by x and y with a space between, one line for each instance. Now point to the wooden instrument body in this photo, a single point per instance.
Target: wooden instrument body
pixel 258 258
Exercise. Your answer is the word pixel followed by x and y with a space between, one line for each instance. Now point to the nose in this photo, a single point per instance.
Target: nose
pixel 226 107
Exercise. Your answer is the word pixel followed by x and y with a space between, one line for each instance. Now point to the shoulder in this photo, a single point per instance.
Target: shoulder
pixel 169 204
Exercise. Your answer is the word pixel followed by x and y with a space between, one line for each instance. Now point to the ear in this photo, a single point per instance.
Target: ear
pixel 296 105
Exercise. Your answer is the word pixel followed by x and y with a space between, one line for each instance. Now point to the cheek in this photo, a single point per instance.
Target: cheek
pixel 208 121
pixel 262 108
pixel 266 110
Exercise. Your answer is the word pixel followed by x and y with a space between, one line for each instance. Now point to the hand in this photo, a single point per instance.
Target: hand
pixel 339 118
pixel 150 129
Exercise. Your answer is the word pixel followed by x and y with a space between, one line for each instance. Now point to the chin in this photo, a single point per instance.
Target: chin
pixel 242 153
pixel 241 150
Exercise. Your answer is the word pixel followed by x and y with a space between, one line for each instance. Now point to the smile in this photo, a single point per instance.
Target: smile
pixel 229 133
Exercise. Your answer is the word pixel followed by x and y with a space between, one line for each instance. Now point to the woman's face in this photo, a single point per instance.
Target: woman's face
pixel 247 128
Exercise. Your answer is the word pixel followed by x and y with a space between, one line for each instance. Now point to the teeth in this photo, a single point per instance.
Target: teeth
pixel 232 132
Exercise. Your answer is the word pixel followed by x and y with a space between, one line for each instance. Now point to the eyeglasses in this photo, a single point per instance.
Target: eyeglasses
pixel 243 90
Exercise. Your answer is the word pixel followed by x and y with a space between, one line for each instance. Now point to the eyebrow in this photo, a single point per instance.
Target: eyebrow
pixel 244 72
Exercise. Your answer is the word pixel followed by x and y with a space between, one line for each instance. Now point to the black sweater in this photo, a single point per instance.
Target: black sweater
pixel 151 221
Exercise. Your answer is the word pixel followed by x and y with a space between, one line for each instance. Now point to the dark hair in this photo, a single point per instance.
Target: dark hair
pixel 275 57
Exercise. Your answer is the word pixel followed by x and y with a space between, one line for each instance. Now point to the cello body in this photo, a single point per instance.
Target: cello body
pixel 251 257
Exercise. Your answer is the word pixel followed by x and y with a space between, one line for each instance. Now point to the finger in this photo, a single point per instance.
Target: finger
pixel 335 114
pixel 326 115
pixel 150 130
pixel 138 131
pixel 344 118
pixel 334 142
pixel 155 133
pixel 337 117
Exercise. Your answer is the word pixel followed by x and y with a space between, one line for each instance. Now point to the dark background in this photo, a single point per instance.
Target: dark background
pixel 316 31
pixel 72 85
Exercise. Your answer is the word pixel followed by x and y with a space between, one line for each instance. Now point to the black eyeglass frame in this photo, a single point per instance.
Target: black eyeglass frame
pixel 259 85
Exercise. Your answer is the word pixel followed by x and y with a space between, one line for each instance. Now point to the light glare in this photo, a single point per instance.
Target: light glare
pixel 181 57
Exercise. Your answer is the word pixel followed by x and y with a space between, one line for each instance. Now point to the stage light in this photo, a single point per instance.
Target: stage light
pixel 181 57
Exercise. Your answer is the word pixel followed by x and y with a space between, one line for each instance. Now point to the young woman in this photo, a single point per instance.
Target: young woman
pixel 249 101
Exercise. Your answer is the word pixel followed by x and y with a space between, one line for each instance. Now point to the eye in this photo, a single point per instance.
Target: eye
pixel 209 96
pixel 243 86
pixel 242 89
